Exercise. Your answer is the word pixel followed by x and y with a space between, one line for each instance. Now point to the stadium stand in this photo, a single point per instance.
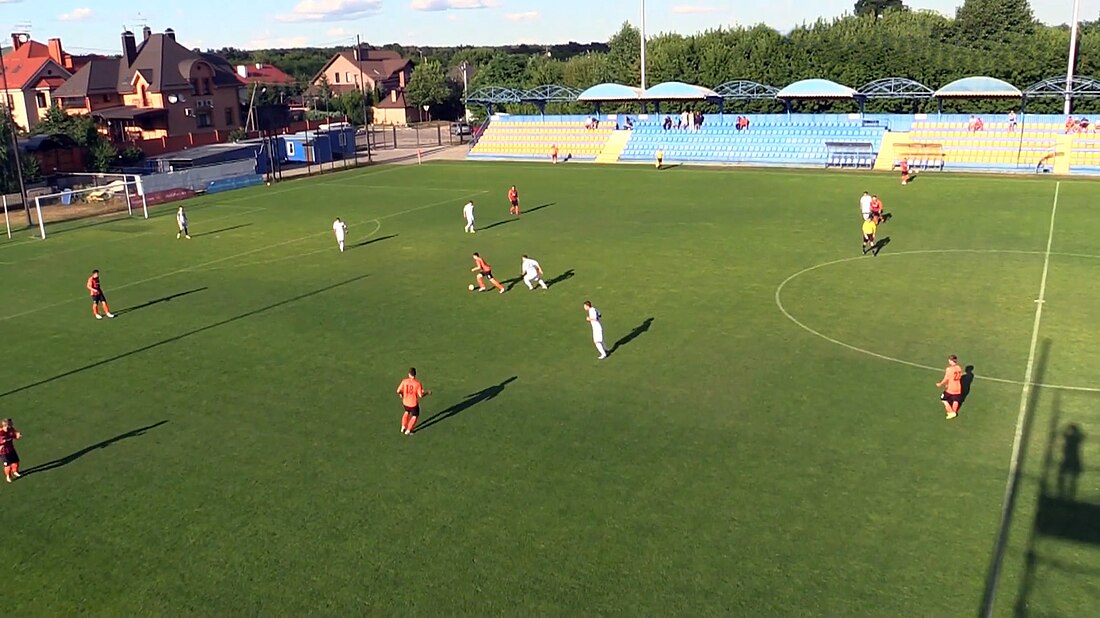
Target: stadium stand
pixel 531 137
pixel 769 140
pixel 950 145
pixel 1085 156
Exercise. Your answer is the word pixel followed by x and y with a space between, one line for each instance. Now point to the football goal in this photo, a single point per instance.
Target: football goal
pixel 91 196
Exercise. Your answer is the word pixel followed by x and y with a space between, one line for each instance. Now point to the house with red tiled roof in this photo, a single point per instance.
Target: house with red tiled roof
pixel 31 73
pixel 377 69
pixel 157 88
pixel 260 74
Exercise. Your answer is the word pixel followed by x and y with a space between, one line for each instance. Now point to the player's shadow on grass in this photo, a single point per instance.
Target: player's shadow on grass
pixel 638 331
pixel 219 231
pixel 371 241
pixel 500 223
pixel 560 278
pixel 966 382
pixel 71 457
pixel 880 245
pixel 511 283
pixel 184 335
pixel 164 299
pixel 470 401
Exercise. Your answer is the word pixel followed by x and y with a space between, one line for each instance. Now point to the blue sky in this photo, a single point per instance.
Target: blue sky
pixel 93 25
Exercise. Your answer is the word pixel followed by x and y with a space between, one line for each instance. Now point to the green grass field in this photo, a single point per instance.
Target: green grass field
pixel 766 438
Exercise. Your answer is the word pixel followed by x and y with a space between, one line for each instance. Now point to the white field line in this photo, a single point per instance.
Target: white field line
pixel 248 210
pixel 1021 418
pixel 223 259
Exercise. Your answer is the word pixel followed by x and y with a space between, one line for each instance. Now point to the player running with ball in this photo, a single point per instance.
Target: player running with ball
pixel 484 272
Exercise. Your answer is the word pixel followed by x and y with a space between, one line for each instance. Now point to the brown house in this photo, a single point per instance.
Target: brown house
pixel 378 69
pixel 156 89
pixel 395 110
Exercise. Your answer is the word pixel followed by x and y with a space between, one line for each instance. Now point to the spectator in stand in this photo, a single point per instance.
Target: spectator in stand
pixel 1012 121
pixel 629 124
pixel 1071 125
pixel 747 123
pixel 685 118
pixel 971 126
pixel 668 123
pixel 979 125
pixel 740 124
pixel 698 120
pixel 679 122
pixel 1084 124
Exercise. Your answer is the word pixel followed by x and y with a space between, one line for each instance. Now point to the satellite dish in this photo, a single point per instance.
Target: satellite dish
pixel 182 100
pixel 173 98
pixel 23 37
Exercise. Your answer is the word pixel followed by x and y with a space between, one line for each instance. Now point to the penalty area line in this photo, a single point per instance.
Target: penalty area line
pixel 1001 543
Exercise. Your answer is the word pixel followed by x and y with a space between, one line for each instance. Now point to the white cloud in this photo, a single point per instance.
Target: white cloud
pixel 448 5
pixel 76 15
pixel 338 32
pixel 331 10
pixel 524 16
pixel 266 41
pixel 693 9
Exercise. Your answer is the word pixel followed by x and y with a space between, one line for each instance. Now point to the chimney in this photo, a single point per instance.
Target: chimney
pixel 146 33
pixel 129 47
pixel 242 71
pixel 259 66
pixel 56 53
pixel 170 33
pixel 17 40
pixel 358 53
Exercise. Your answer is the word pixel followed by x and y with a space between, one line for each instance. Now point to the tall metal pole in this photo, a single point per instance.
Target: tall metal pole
pixel 363 90
pixel 1072 55
pixel 465 90
pixel 643 45
pixel 14 142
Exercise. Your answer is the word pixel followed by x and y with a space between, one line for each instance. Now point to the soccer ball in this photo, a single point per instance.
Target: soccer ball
pixel 471 287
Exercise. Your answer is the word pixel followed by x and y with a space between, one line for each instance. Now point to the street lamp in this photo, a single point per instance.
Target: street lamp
pixel 643 44
pixel 1072 55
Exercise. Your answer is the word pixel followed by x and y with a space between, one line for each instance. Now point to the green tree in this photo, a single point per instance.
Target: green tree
pixel 986 23
pixel 877 7
pixel 103 154
pixel 624 59
pixel 428 85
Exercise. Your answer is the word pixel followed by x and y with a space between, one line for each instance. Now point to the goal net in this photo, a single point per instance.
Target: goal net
pixel 100 196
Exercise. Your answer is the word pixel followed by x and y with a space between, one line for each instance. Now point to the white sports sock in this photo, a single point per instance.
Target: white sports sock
pixel 602 350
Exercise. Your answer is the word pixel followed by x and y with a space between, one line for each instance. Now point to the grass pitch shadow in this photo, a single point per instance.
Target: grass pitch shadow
pixel 219 231
pixel 539 207
pixel 513 219
pixel 71 457
pixel 164 299
pixel 371 241
pixel 638 331
pixel 880 245
pixel 560 278
pixel 175 338
pixel 470 401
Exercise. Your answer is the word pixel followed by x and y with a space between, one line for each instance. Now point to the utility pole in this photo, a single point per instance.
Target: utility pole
pixel 643 45
pixel 363 91
pixel 1072 55
pixel 13 129
pixel 465 66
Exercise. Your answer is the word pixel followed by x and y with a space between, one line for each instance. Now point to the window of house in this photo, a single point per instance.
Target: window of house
pixel 195 87
pixel 106 98
pixel 229 117
pixel 203 120
pixel 209 85
pixel 337 76
pixel 41 100
pixel 347 77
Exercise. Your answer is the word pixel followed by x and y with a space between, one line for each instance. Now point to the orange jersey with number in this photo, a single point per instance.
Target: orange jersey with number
pixel 513 196
pixel 411 390
pixel 953 377
pixel 482 265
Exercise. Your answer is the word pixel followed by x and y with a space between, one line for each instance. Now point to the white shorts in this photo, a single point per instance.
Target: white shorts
pixel 339 239
pixel 597 334
pixel 866 216
pixel 469 220
pixel 530 277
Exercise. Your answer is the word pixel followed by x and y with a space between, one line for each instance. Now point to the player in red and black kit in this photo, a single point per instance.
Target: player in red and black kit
pixel 8 436
pixel 513 199
pixel 96 291
pixel 905 171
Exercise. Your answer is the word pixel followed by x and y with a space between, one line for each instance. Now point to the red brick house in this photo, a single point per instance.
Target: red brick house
pixel 32 73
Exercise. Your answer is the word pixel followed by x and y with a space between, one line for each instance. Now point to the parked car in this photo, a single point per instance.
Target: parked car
pixel 461 128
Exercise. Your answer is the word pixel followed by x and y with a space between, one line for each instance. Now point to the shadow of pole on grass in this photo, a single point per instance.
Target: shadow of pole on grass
pixel 71 457
pixel 175 338
pixel 470 401
pixel 1012 488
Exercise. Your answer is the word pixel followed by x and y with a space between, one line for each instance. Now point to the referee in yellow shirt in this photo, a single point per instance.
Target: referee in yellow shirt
pixel 869 229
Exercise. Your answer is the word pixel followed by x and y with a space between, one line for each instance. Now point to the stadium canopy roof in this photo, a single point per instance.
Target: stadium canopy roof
pixel 896 88
pixel 747 90
pixel 979 88
pixel 678 91
pixel 816 89
pixel 610 92
pixel 1055 88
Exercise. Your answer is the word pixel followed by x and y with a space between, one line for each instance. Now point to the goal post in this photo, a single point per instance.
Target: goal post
pixel 115 198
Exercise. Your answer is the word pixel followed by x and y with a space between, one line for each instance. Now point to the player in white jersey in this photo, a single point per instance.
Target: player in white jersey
pixel 532 273
pixel 468 215
pixel 181 223
pixel 865 205
pixel 340 229
pixel 594 318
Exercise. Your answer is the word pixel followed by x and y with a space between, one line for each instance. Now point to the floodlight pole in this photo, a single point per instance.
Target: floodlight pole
pixel 642 44
pixel 362 90
pixel 1072 55
pixel 15 143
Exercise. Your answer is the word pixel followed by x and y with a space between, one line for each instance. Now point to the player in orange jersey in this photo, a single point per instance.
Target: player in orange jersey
pixel 554 154
pixel 905 171
pixel 952 387
pixel 8 436
pixel 484 271
pixel 410 390
pixel 98 297
pixel 513 199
